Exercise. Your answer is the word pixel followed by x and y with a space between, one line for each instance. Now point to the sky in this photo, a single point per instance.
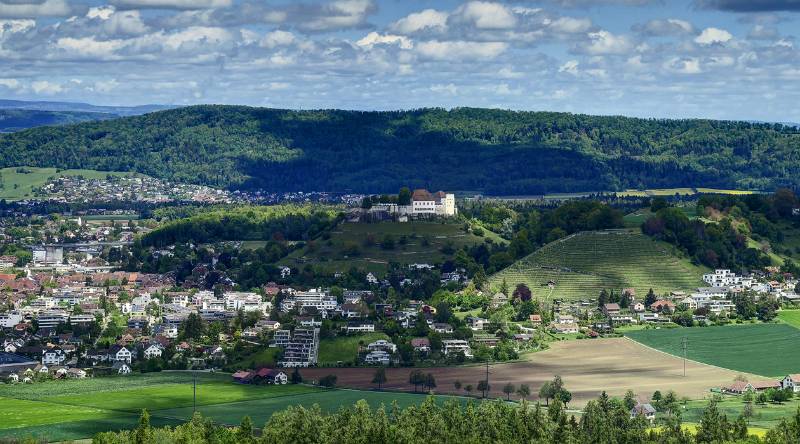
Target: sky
pixel 721 59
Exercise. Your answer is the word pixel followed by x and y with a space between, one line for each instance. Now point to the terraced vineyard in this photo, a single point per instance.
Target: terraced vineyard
pixel 583 264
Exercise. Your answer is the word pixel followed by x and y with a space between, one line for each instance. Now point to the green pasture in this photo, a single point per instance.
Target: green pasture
pixel 359 245
pixel 19 182
pixel 762 349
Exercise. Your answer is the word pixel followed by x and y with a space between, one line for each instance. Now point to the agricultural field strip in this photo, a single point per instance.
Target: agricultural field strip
pixel 63 400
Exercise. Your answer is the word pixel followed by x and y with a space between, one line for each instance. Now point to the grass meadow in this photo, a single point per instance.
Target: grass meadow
pixel 768 350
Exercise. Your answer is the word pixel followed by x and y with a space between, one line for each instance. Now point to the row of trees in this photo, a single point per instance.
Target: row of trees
pixel 603 421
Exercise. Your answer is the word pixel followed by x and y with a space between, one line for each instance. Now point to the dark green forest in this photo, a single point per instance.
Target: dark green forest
pixel 493 151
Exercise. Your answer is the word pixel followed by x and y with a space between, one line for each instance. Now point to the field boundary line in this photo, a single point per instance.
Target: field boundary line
pixel 694 361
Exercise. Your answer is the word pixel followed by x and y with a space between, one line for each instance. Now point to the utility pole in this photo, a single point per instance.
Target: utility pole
pixel 685 346
pixel 487 377
pixel 194 392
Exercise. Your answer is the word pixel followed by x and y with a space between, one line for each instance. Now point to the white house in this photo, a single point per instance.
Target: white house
pixel 121 367
pixel 382 345
pixel 377 357
pixel 436 204
pixel 792 382
pixel 153 351
pixel 55 356
pixel 456 345
pixel 122 354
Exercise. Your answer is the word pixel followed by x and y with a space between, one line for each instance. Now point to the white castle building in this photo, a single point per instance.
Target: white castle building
pixel 437 204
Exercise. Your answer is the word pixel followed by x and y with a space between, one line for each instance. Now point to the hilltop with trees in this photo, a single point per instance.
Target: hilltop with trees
pixel 494 151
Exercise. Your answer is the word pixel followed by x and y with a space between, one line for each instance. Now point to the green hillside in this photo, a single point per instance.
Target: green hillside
pixel 492 151
pixel 18 183
pixel 19 119
pixel 583 264
pixel 360 245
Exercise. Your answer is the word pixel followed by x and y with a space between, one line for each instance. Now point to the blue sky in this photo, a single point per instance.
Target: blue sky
pixel 727 59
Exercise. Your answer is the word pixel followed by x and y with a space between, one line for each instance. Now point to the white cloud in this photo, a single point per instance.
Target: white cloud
pixel 339 14
pixel 570 25
pixel 101 12
pixel 428 19
pixel 665 27
pixel 570 67
pixel 485 15
pixel 172 4
pixel 12 84
pixel 603 42
pixel 688 65
pixel 106 86
pixel 33 8
pixel 449 88
pixel 373 38
pixel 88 47
pixel 46 88
pixel 277 38
pixel 460 50
pixel 710 36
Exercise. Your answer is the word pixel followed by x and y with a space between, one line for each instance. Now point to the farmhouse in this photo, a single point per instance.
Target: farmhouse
pixel 792 382
pixel 740 387
pixel 646 410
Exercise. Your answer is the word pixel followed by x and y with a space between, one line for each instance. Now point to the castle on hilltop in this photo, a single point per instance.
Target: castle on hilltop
pixel 437 204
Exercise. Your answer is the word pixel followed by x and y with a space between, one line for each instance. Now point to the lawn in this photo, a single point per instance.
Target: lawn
pixel 20 185
pixel 23 413
pixel 359 245
pixel 76 409
pixel 167 396
pixel 791 317
pixel 582 265
pixel 265 357
pixel 762 349
pixel 260 410
pixel 345 348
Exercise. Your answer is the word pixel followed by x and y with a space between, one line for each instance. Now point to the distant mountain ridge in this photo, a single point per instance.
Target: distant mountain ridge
pixel 81 107
pixel 492 151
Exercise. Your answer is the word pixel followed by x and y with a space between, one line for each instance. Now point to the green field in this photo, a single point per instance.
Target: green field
pixel 791 317
pixel 75 409
pixel 764 416
pixel 769 350
pixel 583 264
pixel 18 185
pixel 328 400
pixel 344 348
pixel 424 242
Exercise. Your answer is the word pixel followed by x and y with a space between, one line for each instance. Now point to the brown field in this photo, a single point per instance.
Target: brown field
pixel 587 367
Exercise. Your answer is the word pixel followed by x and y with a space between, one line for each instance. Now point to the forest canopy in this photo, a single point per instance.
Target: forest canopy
pixel 466 149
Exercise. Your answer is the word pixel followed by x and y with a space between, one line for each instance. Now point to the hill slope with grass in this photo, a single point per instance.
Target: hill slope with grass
pixel 492 151
pixel 583 264
pixel 365 246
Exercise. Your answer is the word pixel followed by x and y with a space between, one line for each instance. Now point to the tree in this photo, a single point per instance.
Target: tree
pixel 469 388
pixel 761 398
pixel 713 426
pixel 297 378
pixel 522 292
pixel 404 196
pixel 629 400
pixel 565 396
pixel 509 389
pixel 430 381
pixel 546 392
pixel 650 298
pixel 523 391
pixel 483 386
pixel 379 377
pixel 328 381
pixel 416 378
pixel 144 432
pixel 656 398
pixel 193 327
pixel 244 433
pixel 457 384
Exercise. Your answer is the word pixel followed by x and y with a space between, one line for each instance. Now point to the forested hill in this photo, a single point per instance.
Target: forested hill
pixel 18 119
pixel 493 151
